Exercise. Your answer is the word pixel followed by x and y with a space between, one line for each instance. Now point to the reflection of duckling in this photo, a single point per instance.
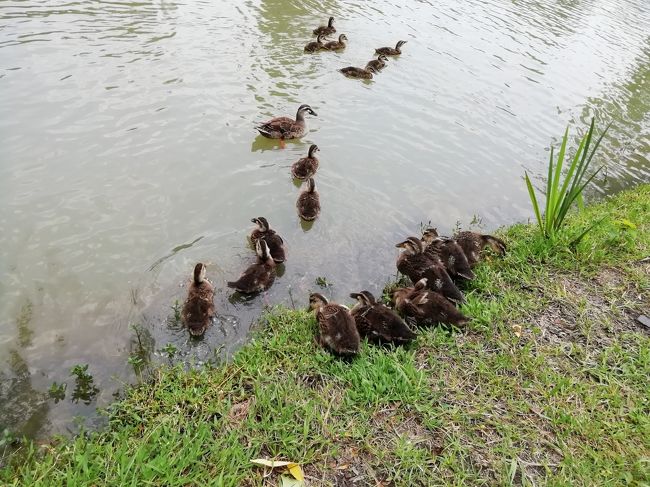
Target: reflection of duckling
pixel 336 325
pixel 325 30
pixel 308 203
pixel 273 240
pixel 379 63
pixel 286 127
pixel 427 307
pixel 473 244
pixel 198 309
pixel 316 45
pixel 416 264
pixel 336 45
pixel 390 51
pixel 377 322
pixel 358 73
pixel 259 276
pixel 450 253
pixel 306 167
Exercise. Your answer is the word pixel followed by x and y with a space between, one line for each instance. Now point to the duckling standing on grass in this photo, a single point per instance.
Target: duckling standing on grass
pixel 286 127
pixel 316 45
pixel 306 167
pixel 473 244
pixel 416 264
pixel 336 45
pixel 325 30
pixel 426 307
pixel 198 309
pixel 390 51
pixel 379 63
pixel 259 276
pixel 449 252
pixel 272 239
pixel 377 322
pixel 359 73
pixel 308 203
pixel 337 330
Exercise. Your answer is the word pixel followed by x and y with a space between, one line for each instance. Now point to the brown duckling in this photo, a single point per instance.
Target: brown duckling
pixel 325 30
pixel 273 240
pixel 306 167
pixel 425 306
pixel 316 45
pixel 389 51
pixel 415 263
pixel 337 330
pixel 259 276
pixel 450 253
pixel 377 322
pixel 359 73
pixel 473 244
pixel 308 203
pixel 198 309
pixel 286 127
pixel 336 45
pixel 379 63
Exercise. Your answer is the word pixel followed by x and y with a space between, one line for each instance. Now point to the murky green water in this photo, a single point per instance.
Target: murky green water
pixel 128 153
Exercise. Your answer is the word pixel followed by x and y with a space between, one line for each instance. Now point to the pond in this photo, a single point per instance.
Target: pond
pixel 128 153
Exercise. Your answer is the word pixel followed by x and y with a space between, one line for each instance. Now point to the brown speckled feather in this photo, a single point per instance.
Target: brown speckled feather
pixel 337 329
pixel 378 323
pixel 198 308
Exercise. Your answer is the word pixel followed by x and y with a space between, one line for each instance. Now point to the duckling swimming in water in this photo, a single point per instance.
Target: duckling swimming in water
pixel 390 51
pixel 306 167
pixel 358 73
pixel 316 45
pixel 259 276
pixel 379 63
pixel 325 30
pixel 425 306
pixel 449 252
pixel 377 322
pixel 286 127
pixel 336 45
pixel 198 309
pixel 474 243
pixel 337 330
pixel 273 240
pixel 308 203
pixel 416 264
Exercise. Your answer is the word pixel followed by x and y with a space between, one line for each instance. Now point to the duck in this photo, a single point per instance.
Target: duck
pixel 316 45
pixel 474 243
pixel 416 264
pixel 390 51
pixel 359 73
pixel 308 203
pixel 273 240
pixel 379 63
pixel 325 30
pixel 337 331
pixel 426 307
pixel 377 322
pixel 198 309
pixel 286 127
pixel 449 252
pixel 306 167
pixel 259 276
pixel 336 45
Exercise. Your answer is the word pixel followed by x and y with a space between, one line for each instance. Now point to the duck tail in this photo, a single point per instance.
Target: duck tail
pixel 496 244
pixel 232 284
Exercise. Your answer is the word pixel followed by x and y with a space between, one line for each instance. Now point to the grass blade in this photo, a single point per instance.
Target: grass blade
pixel 533 199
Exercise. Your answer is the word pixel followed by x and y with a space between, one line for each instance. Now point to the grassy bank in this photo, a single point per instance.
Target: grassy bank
pixel 548 385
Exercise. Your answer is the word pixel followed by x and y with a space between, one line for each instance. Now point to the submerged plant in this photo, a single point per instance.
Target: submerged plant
pixel 561 194
pixel 84 388
pixel 57 391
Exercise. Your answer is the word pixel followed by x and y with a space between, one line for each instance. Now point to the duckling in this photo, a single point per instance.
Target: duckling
pixel 337 330
pixel 377 322
pixel 336 45
pixel 473 244
pixel 306 167
pixel 389 51
pixel 425 306
pixel 416 264
pixel 272 239
pixel 379 63
pixel 308 203
pixel 259 276
pixel 325 30
pixel 198 309
pixel 359 73
pixel 316 45
pixel 286 127
pixel 450 253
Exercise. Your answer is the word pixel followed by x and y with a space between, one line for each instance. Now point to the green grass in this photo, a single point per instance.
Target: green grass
pixel 567 402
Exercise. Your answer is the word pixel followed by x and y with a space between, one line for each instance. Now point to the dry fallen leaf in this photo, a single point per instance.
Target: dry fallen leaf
pixel 517 330
pixel 293 468
pixel 286 481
